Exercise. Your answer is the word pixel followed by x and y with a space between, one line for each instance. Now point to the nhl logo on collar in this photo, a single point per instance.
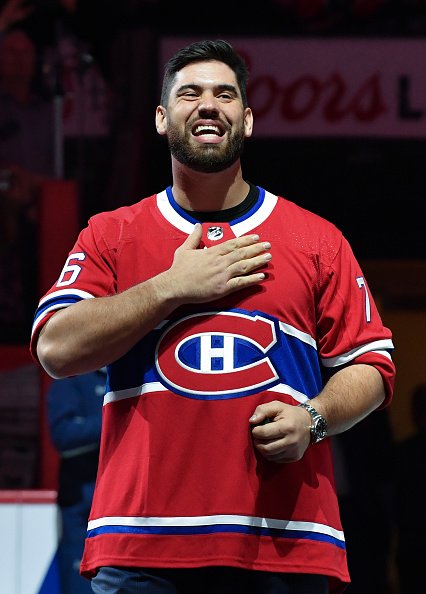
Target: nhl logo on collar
pixel 214 233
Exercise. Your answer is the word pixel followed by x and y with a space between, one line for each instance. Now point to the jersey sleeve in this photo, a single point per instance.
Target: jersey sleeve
pixel 349 324
pixel 87 273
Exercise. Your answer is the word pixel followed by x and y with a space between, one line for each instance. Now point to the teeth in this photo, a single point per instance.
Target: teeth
pixel 206 129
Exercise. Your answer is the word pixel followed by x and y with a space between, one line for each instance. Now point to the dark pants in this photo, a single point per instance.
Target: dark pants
pixel 205 580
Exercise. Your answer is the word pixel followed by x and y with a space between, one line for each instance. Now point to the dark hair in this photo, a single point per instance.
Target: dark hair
pixel 201 51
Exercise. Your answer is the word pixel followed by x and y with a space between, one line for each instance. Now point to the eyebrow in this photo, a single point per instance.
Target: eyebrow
pixel 221 87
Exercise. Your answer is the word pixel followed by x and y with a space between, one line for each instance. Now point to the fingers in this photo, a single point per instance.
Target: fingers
pixel 204 275
pixel 248 264
pixel 243 254
pixel 237 247
pixel 281 453
pixel 275 444
pixel 269 410
pixel 282 439
pixel 243 260
pixel 193 240
pixel 282 448
pixel 232 244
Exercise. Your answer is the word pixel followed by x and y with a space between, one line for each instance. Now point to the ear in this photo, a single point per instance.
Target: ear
pixel 248 122
pixel 161 120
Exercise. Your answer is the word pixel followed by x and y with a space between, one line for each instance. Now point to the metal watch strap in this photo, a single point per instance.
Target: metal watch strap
pixel 318 424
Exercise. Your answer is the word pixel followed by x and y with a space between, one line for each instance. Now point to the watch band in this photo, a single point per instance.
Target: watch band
pixel 318 427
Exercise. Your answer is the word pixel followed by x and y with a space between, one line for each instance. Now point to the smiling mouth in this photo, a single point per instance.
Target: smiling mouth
pixel 207 129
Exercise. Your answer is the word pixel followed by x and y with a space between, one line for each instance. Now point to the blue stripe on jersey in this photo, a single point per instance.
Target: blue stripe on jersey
pixel 57 300
pixel 178 208
pixel 229 352
pixel 253 209
pixel 217 528
pixel 193 220
pixel 53 303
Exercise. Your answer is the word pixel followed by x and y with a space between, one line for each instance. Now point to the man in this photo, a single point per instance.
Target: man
pixel 217 307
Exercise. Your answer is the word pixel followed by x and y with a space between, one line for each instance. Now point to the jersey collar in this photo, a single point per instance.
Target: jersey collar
pixel 183 221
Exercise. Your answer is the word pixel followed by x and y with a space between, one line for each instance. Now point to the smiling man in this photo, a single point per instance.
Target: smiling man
pixel 228 366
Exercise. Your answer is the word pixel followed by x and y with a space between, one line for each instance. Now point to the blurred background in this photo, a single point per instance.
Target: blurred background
pixel 338 90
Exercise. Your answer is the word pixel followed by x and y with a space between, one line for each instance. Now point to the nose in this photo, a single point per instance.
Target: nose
pixel 208 104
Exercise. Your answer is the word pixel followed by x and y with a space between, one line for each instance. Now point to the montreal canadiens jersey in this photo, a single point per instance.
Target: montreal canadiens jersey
pixel 179 482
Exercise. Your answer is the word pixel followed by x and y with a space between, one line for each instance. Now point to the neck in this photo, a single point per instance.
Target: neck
pixel 205 192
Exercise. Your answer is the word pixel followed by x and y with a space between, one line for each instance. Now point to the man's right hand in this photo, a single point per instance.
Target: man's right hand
pixel 202 275
pixel 99 331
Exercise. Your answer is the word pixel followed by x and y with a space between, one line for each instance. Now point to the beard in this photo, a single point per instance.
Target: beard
pixel 205 158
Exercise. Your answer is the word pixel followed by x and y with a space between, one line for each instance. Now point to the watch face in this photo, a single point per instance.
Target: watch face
pixel 319 427
pixel 319 430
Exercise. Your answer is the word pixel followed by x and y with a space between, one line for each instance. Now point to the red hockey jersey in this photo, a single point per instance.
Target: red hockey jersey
pixel 179 482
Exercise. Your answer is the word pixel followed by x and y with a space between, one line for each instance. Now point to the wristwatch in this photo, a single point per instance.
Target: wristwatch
pixel 318 424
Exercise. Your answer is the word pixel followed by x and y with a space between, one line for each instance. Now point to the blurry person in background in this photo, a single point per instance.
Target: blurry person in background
pixel 26 158
pixel 74 416
pixel 13 11
pixel 26 123
pixel 411 493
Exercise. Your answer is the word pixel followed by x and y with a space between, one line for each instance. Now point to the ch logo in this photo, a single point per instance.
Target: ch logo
pixel 217 355
pixel 214 233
